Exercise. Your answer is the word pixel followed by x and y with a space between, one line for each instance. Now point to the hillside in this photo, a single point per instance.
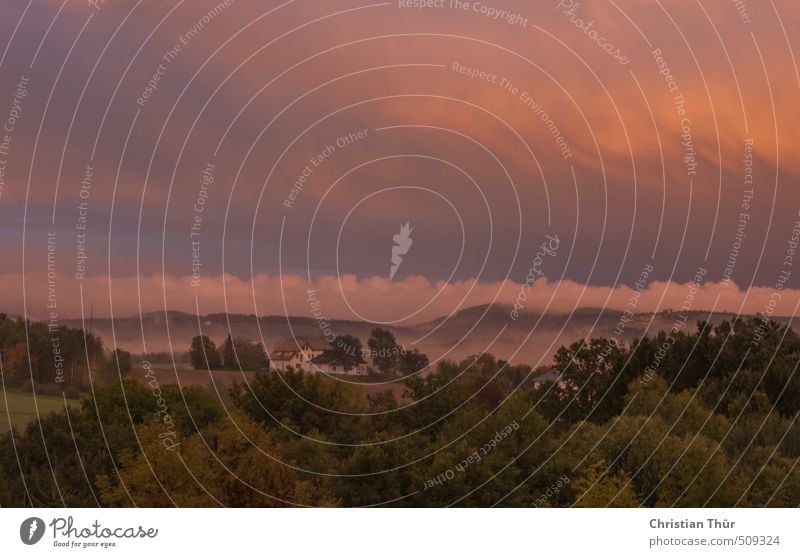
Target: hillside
pixel 532 338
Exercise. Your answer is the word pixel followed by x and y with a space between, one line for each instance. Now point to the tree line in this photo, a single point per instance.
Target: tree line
pixel 235 354
pixel 387 357
pixel 709 421
pixel 51 360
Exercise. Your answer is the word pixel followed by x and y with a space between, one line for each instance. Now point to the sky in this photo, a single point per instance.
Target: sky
pixel 231 156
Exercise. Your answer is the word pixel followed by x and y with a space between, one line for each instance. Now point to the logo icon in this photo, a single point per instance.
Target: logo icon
pixel 31 530
pixel 403 243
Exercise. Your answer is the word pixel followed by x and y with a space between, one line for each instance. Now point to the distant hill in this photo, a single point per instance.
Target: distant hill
pixel 531 338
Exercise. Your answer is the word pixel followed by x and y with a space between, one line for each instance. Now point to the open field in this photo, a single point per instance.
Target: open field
pixel 19 408
pixel 221 381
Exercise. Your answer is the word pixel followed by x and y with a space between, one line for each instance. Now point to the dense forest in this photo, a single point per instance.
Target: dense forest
pixel 707 418
pixel 52 359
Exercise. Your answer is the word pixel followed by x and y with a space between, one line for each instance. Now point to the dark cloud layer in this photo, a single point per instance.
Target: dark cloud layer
pixel 484 130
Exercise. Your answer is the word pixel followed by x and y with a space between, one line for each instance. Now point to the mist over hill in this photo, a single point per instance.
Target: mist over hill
pixel 532 338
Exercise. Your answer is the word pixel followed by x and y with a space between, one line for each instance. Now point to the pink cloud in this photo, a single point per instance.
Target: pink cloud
pixel 412 300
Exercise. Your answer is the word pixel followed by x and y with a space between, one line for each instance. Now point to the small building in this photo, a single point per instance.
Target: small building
pixel 294 354
pixel 331 362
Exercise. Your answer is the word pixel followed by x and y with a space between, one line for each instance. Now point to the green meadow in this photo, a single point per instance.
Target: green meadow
pixel 20 408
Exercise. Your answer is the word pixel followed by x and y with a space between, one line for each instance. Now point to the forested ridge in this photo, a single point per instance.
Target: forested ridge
pixel 707 418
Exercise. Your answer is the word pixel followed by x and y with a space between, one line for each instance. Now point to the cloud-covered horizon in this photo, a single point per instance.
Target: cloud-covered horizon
pixel 409 301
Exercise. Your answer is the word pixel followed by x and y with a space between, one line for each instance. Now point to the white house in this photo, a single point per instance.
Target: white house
pixel 294 354
pixel 332 362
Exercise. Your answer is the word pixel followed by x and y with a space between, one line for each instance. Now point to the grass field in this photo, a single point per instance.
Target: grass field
pixel 222 381
pixel 20 407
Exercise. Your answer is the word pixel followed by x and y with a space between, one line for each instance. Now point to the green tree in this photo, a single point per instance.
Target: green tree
pixel 413 361
pixel 228 467
pixel 203 353
pixel 600 487
pixel 121 359
pixel 349 349
pixel 384 350
pixel 228 355
pixel 347 344
pixel 251 355
pixel 593 378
